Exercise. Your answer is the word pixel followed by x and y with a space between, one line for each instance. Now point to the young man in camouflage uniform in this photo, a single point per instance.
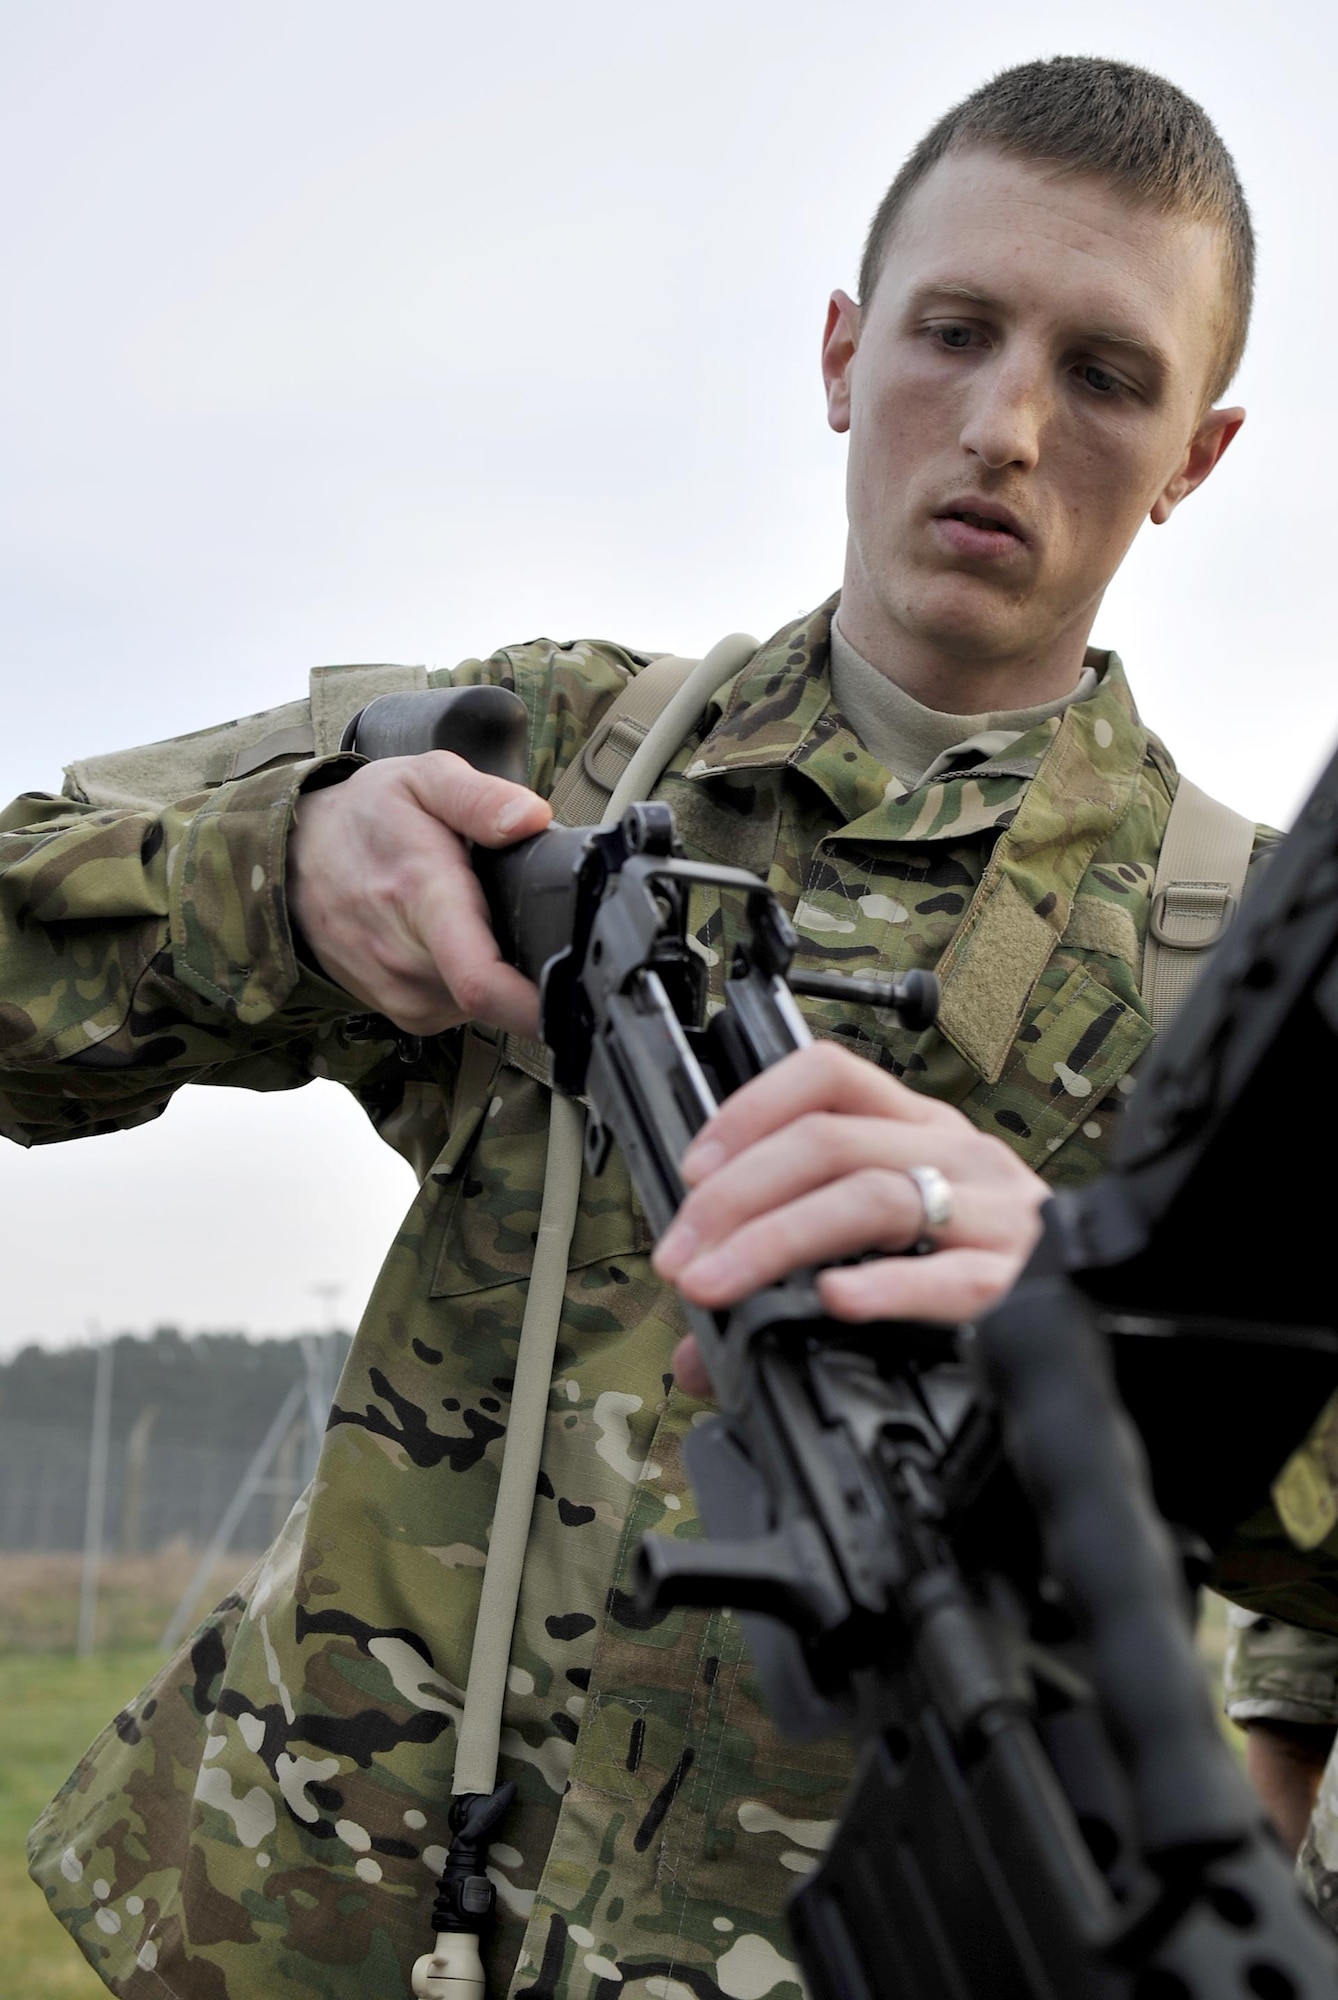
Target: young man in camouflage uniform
pixel 939 773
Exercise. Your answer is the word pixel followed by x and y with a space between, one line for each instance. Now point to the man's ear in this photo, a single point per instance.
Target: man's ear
pixel 839 341
pixel 1209 441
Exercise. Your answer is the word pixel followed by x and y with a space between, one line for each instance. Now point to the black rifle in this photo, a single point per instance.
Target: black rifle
pixel 948 1540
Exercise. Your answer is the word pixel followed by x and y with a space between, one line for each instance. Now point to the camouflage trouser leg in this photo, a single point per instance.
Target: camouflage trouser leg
pixel 1283 1673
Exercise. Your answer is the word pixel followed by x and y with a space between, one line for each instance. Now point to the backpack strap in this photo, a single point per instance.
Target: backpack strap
pixel 1205 855
pixel 582 792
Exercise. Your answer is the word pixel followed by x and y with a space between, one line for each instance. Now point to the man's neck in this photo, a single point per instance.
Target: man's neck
pixel 961 682
pixel 915 743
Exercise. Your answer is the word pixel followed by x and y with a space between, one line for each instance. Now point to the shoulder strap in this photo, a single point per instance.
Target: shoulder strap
pixel 335 695
pixel 582 792
pixel 1201 871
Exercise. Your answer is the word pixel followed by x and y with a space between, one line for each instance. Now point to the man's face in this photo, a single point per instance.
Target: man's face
pixel 1024 389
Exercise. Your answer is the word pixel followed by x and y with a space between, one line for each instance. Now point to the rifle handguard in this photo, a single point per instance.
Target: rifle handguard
pixel 1080 1461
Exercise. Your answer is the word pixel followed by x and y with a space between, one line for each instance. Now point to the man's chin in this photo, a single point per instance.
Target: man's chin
pixel 971 627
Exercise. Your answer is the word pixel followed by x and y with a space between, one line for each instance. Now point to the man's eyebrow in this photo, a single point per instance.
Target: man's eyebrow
pixel 945 289
pixel 1107 336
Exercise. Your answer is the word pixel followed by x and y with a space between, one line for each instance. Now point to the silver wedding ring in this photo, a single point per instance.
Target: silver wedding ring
pixel 935 1192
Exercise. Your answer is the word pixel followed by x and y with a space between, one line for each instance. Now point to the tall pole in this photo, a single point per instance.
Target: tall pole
pixel 319 1356
pixel 95 1509
pixel 232 1515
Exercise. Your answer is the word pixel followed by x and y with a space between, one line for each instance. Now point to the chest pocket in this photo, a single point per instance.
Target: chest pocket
pixel 1078 1041
pixel 491 1198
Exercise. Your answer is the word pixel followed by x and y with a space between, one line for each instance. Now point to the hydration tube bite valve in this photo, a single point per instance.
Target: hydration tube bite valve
pixel 463 1910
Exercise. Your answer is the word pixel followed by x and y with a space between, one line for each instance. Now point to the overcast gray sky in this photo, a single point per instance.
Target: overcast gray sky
pixel 348 332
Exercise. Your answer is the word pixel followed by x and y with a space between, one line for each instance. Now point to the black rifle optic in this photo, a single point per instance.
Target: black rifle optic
pixel 953 1541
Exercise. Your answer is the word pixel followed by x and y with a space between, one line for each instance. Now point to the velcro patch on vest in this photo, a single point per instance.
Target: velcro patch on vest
pixel 1098 925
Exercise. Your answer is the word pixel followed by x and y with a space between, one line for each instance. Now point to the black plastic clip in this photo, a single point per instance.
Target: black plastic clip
pixel 465 1896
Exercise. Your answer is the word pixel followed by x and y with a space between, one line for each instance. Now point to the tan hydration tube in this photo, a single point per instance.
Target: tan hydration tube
pixel 454 1970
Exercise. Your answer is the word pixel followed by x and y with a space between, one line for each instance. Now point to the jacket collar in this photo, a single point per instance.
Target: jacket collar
pixel 779 714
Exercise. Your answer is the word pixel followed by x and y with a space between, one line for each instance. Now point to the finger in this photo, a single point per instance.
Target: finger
pixel 489 810
pixel 949 1285
pixel 821 1146
pixel 872 1210
pixel 821 1077
pixel 504 999
pixel 456 938
pixel 424 954
pixel 500 996
pixel 689 1369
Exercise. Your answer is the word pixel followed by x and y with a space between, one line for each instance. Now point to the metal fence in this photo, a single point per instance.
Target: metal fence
pixel 129 1446
pixel 158 1490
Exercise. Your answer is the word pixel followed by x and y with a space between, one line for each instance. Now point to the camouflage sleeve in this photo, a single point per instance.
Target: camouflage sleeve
pixel 141 949
pixel 144 948
pixel 1277 1672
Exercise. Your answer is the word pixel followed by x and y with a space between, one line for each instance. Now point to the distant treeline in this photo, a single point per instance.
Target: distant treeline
pixel 225 1384
pixel 187 1415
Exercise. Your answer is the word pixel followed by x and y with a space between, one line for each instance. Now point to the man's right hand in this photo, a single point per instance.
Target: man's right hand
pixel 380 885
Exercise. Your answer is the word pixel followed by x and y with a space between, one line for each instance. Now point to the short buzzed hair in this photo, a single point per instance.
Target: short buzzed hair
pixel 1123 125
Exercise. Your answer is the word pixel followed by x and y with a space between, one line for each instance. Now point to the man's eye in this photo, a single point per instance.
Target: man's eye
pixel 954 336
pixel 1099 379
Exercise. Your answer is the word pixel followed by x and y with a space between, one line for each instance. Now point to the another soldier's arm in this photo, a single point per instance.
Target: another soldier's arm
pixel 1281 1685
pixel 1285 1762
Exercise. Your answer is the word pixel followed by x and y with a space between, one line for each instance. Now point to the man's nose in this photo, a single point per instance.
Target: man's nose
pixel 1005 414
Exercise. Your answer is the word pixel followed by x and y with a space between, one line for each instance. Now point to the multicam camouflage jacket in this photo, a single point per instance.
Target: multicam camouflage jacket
pixel 266 1818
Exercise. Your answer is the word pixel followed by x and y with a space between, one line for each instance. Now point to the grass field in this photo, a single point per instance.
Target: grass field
pixel 39 1597
pixel 52 1706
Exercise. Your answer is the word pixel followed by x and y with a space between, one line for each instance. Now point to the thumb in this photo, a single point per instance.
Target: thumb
pixel 489 810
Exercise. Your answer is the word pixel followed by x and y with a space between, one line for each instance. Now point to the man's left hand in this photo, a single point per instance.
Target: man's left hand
pixel 808 1164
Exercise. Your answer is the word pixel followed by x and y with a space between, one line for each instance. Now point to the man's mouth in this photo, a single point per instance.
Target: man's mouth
pixel 980 530
pixel 976 520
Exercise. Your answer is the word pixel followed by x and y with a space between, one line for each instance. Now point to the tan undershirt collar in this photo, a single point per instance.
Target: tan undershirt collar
pixel 916 743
